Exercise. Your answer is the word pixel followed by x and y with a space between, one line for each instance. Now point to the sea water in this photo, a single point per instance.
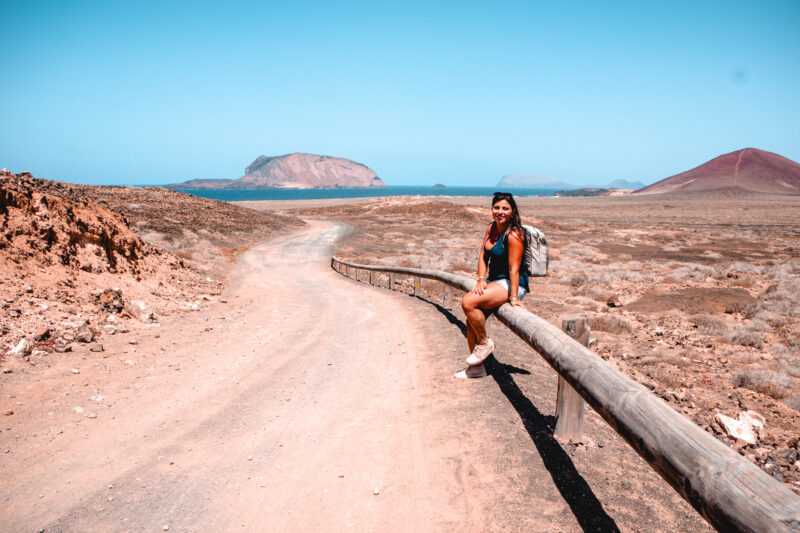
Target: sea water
pixel 235 195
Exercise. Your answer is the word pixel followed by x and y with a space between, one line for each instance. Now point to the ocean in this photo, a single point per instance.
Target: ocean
pixel 233 195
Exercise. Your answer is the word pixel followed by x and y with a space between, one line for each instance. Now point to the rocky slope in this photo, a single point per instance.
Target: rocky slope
pixel 295 171
pixel 80 262
pixel 748 170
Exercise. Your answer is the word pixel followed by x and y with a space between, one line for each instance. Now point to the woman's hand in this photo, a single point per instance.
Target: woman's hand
pixel 515 302
pixel 480 285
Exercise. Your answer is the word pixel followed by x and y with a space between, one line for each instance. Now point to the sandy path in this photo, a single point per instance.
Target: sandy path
pixel 291 408
pixel 289 405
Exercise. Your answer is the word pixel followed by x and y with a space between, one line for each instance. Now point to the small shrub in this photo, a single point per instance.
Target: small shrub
pixel 793 402
pixel 710 325
pixel 578 280
pixel 746 337
pixel 611 324
pixel 741 268
pixel 693 272
pixel 773 384
pixel 789 359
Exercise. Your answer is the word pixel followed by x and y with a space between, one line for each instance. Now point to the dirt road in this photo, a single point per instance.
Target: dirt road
pixel 297 412
pixel 303 401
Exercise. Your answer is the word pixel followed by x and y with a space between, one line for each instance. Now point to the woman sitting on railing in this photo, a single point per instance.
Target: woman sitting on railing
pixel 500 256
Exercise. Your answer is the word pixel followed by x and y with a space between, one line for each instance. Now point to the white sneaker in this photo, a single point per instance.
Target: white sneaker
pixel 471 372
pixel 481 352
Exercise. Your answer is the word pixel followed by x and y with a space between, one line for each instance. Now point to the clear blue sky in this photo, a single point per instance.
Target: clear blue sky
pixel 458 93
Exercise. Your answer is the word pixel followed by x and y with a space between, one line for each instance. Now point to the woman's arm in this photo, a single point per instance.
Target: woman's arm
pixel 516 248
pixel 480 277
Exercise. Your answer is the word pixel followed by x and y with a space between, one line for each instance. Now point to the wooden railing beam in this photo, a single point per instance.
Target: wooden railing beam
pixel 725 488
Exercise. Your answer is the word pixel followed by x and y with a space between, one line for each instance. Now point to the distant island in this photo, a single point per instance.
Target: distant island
pixel 294 171
pixel 533 182
pixel 625 184
pixel 439 186
pixel 584 191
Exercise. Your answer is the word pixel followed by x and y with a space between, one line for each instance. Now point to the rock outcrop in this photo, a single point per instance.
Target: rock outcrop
pixel 39 221
pixel 749 170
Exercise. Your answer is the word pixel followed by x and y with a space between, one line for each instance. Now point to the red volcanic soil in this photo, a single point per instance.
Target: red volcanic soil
pixel 748 169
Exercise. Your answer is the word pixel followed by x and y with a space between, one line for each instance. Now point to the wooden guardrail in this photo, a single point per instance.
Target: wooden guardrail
pixel 729 491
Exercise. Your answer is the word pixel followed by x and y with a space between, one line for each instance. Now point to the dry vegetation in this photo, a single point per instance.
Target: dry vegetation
pixel 706 291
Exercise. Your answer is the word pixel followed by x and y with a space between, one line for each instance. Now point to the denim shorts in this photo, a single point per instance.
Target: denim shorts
pixel 521 292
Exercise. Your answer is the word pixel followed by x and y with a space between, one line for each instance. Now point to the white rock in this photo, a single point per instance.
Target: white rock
pixel 22 348
pixel 139 309
pixel 744 429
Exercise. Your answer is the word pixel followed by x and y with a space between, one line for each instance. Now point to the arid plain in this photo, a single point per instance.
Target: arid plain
pixel 695 296
pixel 223 367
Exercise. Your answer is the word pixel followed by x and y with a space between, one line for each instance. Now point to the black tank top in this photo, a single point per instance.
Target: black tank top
pixel 497 259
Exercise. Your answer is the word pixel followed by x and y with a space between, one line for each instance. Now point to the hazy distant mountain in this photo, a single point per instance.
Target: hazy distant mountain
pixel 625 184
pixel 745 170
pixel 533 182
pixel 295 171
pixel 203 184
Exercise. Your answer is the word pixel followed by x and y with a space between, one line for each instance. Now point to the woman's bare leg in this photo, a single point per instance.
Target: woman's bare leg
pixel 471 342
pixel 473 305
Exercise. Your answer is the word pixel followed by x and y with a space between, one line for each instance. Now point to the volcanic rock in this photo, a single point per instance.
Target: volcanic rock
pixel 37 221
pixel 111 300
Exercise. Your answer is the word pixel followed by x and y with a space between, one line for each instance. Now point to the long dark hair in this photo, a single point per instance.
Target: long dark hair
pixel 516 222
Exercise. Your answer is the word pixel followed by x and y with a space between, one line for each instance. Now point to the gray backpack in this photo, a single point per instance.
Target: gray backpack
pixel 536 259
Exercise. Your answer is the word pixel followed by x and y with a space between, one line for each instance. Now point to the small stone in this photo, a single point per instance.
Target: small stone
pixel 376 491
pixel 42 333
pixel 165 528
pixel 22 348
pixel 84 334
pixel 75 371
pixel 91 415
pixel 614 301
pixel 600 444
pixel 61 346
pixel 7 371
pixel 8 412
pixel 111 300
pixel 96 347
pixel 78 409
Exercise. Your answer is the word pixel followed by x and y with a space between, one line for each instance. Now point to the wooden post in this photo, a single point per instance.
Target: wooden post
pixel 370 277
pixel 391 282
pixel 417 285
pixel 570 407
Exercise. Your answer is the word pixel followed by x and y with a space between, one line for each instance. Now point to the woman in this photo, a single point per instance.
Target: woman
pixel 500 279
